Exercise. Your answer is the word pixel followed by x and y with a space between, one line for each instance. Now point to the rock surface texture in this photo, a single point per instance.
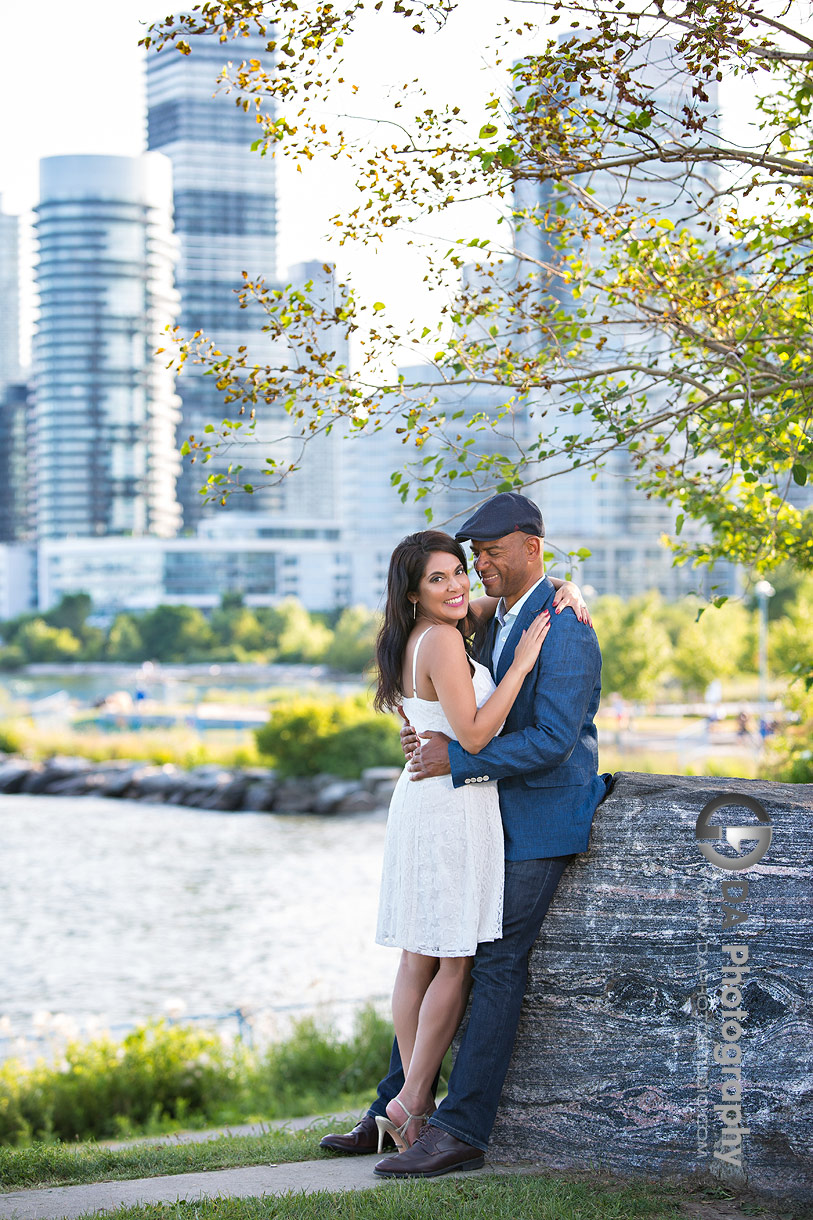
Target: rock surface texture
pixel 628 1038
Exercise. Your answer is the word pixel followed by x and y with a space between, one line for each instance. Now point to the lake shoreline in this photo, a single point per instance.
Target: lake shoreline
pixel 227 790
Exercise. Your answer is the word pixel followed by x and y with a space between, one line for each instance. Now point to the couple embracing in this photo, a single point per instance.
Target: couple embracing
pixel 497 797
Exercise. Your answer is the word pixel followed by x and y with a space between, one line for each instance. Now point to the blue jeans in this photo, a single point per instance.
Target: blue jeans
pixel 500 975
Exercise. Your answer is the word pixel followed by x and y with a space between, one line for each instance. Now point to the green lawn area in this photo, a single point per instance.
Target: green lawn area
pixel 64 1164
pixel 493 1197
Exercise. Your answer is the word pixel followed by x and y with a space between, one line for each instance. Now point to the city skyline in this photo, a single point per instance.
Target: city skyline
pixel 92 63
pixel 325 489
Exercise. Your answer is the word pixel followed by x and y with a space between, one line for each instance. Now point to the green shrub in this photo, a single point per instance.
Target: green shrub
pixel 12 658
pixel 162 1075
pixel 102 1087
pixel 10 740
pixel 340 736
pixel 313 1068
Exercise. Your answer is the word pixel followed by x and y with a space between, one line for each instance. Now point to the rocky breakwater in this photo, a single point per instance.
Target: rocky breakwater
pixel 668 1025
pixel 254 789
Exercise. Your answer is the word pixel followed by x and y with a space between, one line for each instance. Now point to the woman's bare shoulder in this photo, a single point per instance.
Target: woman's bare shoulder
pixel 445 651
pixel 443 635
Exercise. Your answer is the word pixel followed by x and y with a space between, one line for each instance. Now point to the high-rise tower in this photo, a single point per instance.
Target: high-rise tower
pixel 604 512
pixel 225 222
pixel 9 298
pixel 105 406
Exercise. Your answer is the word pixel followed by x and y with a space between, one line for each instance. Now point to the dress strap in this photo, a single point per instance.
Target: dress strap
pixel 415 662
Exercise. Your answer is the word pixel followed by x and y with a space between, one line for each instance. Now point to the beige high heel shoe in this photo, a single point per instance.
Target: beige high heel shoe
pixel 387 1127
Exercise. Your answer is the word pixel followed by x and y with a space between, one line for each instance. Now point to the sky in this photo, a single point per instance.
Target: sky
pixel 75 84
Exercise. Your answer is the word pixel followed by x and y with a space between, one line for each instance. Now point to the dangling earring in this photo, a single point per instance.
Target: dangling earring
pixel 414 611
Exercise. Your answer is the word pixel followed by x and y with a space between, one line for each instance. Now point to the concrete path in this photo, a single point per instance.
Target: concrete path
pixel 340 1122
pixel 343 1173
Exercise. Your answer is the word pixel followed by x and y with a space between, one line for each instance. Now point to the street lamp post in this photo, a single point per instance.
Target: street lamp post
pixel 764 590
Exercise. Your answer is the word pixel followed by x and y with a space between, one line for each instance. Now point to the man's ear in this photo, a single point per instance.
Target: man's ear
pixel 534 546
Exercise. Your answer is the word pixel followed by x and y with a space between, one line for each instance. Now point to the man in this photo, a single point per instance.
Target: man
pixel 546 763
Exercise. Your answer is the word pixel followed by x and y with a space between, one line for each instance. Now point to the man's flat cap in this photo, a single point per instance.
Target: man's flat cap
pixel 501 515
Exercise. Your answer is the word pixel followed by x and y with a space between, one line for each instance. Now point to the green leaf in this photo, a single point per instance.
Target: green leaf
pixel 378 305
pixel 799 473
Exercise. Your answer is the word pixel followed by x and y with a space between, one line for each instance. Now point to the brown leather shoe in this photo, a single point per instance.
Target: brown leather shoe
pixel 434 1152
pixel 363 1138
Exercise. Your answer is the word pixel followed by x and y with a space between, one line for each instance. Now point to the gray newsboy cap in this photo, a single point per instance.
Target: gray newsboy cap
pixel 501 515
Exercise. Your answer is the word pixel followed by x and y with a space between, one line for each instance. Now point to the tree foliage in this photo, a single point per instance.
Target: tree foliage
pixel 650 296
pixel 634 645
pixel 338 737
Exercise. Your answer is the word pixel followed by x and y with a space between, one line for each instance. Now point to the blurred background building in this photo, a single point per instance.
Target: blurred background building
pixel 9 297
pixel 604 512
pixel 90 470
pixel 105 406
pixel 225 216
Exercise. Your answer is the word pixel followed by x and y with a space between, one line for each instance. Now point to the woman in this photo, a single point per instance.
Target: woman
pixel 442 880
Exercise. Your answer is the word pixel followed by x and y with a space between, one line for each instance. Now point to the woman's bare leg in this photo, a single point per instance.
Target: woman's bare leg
pixel 415 973
pixel 439 1015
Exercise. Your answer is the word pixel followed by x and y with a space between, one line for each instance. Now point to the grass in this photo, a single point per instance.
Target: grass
pixel 669 762
pixel 490 1197
pixel 185 748
pixel 504 1196
pixel 63 1164
pixel 163 1077
pixel 180 745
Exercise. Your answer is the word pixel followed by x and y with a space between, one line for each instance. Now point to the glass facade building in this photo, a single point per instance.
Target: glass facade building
pixel 105 406
pixel 15 463
pixel 9 298
pixel 142 573
pixel 226 223
pixel 604 512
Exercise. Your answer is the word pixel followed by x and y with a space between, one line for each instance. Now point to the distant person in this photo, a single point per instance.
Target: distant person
pixel 547 674
pixel 620 716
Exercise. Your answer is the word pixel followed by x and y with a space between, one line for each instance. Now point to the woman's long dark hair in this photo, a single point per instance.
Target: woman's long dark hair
pixel 407 566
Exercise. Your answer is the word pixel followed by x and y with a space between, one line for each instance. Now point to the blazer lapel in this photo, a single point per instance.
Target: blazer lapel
pixel 534 605
pixel 487 650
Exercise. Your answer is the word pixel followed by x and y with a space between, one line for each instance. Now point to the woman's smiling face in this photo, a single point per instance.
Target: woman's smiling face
pixel 443 593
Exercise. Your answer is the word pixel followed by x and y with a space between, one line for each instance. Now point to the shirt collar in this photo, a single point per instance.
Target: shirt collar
pixel 502 615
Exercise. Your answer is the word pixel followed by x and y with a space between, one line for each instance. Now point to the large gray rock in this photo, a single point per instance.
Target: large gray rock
pixel 14 772
pixel 329 797
pixel 296 795
pixel 614 1065
pixel 259 795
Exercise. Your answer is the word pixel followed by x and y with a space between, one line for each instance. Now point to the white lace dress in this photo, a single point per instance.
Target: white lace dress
pixel 442 879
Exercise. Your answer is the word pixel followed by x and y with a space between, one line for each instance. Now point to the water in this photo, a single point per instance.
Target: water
pixel 120 910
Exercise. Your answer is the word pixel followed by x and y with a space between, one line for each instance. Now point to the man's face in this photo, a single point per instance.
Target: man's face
pixel 503 564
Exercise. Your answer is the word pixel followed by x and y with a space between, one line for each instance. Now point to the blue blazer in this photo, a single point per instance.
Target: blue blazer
pixel 546 758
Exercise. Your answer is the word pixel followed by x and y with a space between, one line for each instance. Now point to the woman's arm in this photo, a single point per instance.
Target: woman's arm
pixel 447 667
pixel 483 607
pixel 568 593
